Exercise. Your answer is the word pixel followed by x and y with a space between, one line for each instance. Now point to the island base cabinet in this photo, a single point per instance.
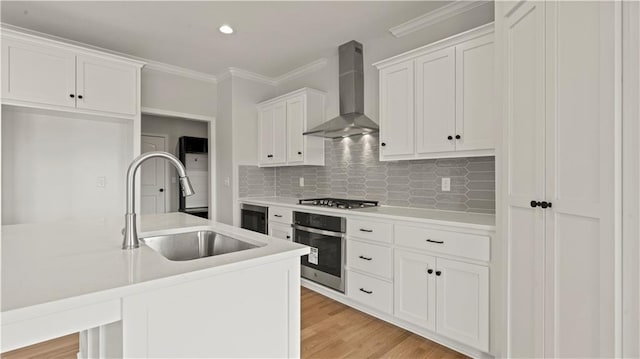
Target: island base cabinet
pixel 250 313
pixel 446 296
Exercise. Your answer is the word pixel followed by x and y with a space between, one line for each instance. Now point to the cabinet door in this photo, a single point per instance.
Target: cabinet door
pixel 280 133
pixel 463 302
pixel 281 231
pixel 435 102
pixel 38 73
pixel 475 119
pixel 523 131
pixel 414 288
pixel 397 111
pixel 581 145
pixel 295 128
pixel 106 86
pixel 265 135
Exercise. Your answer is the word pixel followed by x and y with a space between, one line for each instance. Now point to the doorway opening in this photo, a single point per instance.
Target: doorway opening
pixel 189 140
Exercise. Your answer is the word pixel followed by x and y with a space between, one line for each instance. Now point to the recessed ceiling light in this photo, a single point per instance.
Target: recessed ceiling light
pixel 226 29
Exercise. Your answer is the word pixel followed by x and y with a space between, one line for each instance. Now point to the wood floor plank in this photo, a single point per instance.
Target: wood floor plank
pixel 330 330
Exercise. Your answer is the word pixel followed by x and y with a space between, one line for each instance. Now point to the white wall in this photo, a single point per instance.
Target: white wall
pixel 224 153
pixel 50 166
pixel 174 128
pixel 177 93
pixel 326 79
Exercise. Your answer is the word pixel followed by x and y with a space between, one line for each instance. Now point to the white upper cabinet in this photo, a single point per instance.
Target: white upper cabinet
pixel 103 85
pixel 37 73
pixel 281 124
pixel 475 121
pixel 396 107
pixel 295 127
pixel 42 73
pixel 272 125
pixel 437 101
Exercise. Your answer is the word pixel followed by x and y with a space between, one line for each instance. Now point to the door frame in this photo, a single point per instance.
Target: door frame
pixel 167 177
pixel 211 120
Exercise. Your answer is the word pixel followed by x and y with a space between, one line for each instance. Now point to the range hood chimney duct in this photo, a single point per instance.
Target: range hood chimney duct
pixel 352 120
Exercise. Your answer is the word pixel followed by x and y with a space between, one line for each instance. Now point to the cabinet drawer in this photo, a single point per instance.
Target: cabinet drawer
pixel 369 258
pixel 375 231
pixel 371 292
pixel 279 214
pixel 453 243
pixel 281 231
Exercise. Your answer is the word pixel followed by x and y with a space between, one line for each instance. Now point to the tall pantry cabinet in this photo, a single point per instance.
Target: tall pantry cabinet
pixel 558 86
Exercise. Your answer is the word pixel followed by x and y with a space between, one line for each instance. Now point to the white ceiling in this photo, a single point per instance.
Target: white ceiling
pixel 271 37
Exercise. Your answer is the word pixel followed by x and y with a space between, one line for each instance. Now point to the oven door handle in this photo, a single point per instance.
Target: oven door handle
pixel 319 231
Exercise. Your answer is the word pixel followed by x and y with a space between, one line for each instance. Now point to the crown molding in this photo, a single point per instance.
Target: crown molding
pixel 302 70
pixel 180 71
pixel 433 17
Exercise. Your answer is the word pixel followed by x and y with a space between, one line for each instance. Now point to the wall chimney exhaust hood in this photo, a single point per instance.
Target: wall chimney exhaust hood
pixel 352 120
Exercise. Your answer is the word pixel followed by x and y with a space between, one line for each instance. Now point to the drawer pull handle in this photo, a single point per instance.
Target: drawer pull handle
pixel 277 215
pixel 366 258
pixel 432 241
pixel 366 230
pixel 366 291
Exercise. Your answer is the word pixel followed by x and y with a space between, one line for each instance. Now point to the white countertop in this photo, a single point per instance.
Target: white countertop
pixel 430 216
pixel 52 266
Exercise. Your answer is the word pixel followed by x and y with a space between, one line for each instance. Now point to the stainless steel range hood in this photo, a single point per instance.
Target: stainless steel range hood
pixel 352 120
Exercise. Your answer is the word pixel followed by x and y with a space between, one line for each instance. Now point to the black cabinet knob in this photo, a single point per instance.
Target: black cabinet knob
pixel 457 137
pixel 299 152
pixel 438 273
pixel 545 204
pixel 534 204
pixel 269 156
pixel 383 144
pixel 80 96
pixel 288 237
pixel 449 138
pixel 72 95
pixel 161 189
pixel 430 271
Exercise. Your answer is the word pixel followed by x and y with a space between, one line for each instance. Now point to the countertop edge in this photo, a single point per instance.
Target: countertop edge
pixel 459 224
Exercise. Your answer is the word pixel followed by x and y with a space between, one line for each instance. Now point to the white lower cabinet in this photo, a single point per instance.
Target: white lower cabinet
pixel 415 289
pixel 446 296
pixel 462 302
pixel 372 292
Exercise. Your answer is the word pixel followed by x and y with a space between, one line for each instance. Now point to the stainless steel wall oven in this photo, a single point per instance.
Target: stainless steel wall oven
pixel 326 237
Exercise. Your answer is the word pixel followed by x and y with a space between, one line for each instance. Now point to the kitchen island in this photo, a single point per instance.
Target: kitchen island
pixel 65 277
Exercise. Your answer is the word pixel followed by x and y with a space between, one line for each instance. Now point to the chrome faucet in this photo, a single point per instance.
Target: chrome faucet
pixel 130 231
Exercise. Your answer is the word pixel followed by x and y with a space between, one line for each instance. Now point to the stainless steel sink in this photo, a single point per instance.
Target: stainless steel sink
pixel 194 245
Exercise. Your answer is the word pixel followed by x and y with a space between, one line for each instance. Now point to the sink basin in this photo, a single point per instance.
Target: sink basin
pixel 194 245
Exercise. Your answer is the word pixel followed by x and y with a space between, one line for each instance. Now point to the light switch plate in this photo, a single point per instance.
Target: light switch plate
pixel 301 181
pixel 446 184
pixel 227 181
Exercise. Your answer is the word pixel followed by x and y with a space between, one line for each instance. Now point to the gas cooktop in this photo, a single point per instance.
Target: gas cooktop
pixel 338 203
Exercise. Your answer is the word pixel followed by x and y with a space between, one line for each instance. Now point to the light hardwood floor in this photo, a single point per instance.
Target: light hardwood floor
pixel 329 330
pixel 333 330
pixel 61 348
